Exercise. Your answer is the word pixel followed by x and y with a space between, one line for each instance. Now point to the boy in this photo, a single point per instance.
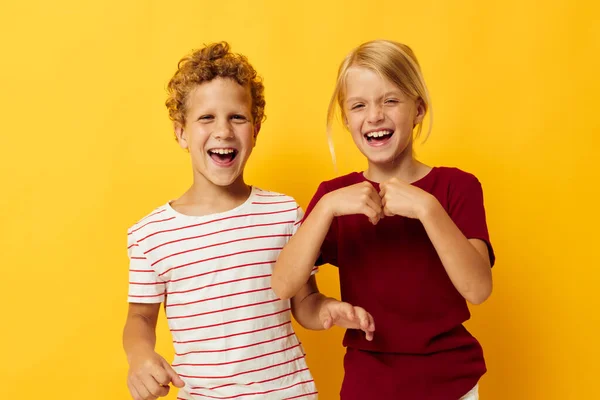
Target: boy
pixel 209 256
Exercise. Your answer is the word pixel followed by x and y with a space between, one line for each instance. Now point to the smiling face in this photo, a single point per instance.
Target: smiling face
pixel 219 131
pixel 380 117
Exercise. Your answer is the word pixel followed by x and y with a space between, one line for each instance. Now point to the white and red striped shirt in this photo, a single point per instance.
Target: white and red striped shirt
pixel 233 337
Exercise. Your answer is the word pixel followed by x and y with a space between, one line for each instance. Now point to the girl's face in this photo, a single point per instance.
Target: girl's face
pixel 379 115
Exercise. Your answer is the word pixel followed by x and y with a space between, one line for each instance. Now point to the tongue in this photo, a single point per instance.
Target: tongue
pixel 221 158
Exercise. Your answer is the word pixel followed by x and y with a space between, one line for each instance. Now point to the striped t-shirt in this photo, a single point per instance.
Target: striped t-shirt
pixel 232 336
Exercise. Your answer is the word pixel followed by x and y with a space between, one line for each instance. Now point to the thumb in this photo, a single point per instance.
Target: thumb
pixel 326 318
pixel 177 381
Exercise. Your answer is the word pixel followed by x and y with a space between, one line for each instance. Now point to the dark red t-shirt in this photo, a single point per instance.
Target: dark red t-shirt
pixel 393 271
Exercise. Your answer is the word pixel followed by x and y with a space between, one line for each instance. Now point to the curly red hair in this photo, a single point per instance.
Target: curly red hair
pixel 213 61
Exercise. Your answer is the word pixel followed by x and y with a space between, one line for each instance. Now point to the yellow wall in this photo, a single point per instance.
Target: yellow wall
pixel 86 150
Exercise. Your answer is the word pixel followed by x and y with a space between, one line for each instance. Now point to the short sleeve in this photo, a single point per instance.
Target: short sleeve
pixel 144 284
pixel 329 247
pixel 466 208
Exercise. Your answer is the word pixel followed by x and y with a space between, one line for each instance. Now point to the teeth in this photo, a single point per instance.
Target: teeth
pixel 222 151
pixel 378 133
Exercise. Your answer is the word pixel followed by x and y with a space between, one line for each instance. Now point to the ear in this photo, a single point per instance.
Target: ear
pixel 257 127
pixel 181 135
pixel 421 109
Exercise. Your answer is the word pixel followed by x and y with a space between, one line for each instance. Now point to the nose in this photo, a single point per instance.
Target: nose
pixel 375 114
pixel 223 130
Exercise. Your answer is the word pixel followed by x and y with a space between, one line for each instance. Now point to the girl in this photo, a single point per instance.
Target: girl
pixel 410 241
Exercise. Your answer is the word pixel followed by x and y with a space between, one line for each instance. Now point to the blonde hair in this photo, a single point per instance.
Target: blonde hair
pixel 393 61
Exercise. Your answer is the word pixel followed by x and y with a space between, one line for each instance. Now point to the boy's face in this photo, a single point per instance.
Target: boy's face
pixel 219 131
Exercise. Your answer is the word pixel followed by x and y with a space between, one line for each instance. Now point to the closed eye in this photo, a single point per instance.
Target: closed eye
pixel 239 118
pixel 206 117
pixel 357 106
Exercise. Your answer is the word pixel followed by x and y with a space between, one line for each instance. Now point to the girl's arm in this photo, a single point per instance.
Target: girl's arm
pixel 467 261
pixel 297 259
pixel 316 311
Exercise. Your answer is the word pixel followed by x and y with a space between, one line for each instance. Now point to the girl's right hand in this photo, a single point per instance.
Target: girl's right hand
pixel 360 198
pixel 149 376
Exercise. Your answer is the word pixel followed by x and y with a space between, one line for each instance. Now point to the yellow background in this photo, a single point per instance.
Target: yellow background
pixel 87 149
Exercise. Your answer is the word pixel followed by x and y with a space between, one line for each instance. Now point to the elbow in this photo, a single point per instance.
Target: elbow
pixel 280 288
pixel 479 296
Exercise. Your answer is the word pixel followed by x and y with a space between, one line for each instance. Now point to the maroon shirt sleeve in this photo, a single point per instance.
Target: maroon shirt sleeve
pixel 329 247
pixel 467 210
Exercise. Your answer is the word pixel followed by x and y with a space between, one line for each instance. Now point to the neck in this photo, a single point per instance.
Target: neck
pixel 405 167
pixel 204 197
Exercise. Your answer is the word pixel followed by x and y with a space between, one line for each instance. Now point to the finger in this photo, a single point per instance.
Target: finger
pixel 348 311
pixel 371 329
pixel 133 391
pixel 362 317
pixel 152 387
pixel 371 214
pixel 173 376
pixel 142 390
pixel 371 323
pixel 387 212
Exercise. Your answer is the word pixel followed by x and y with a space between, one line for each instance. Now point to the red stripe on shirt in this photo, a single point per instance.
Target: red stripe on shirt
pixel 245 372
pixel 233 348
pixel 146 283
pixel 216 220
pixel 215 233
pixel 224 309
pixel 252 394
pixel 151 222
pixel 273 202
pixel 146 295
pixel 219 284
pixel 251 383
pixel 218 244
pixel 271 195
pixel 233 334
pixel 221 270
pixel 217 257
pixel 235 361
pixel 230 322
pixel 218 297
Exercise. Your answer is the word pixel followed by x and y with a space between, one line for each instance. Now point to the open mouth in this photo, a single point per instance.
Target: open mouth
pixel 378 137
pixel 223 156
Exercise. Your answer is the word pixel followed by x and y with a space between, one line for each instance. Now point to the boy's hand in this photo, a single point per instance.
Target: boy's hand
pixel 149 377
pixel 334 312
pixel 360 198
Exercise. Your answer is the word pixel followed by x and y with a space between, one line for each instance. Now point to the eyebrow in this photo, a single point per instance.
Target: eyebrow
pixel 390 93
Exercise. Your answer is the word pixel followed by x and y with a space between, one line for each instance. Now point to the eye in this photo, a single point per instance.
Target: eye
pixel 357 106
pixel 206 118
pixel 391 101
pixel 239 118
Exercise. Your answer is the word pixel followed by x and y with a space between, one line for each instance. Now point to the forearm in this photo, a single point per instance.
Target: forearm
pixel 306 310
pixel 297 259
pixel 139 335
pixel 467 268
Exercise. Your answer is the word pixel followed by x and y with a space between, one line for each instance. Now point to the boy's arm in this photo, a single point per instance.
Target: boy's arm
pixel 149 373
pixel 315 311
pixel 139 334
pixel 297 259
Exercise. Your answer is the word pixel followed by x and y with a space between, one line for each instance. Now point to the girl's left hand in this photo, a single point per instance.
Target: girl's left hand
pixel 403 199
